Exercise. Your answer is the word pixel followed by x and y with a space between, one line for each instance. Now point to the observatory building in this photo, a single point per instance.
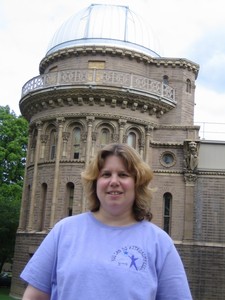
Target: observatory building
pixel 102 80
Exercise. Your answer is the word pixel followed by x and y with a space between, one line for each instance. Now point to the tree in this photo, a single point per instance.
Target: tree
pixel 13 146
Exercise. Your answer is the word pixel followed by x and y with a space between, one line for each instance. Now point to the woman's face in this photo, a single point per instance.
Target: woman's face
pixel 115 188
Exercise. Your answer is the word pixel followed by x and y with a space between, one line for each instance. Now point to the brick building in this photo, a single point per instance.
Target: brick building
pixel 101 83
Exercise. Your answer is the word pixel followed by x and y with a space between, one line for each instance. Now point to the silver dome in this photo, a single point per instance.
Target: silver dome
pixel 102 25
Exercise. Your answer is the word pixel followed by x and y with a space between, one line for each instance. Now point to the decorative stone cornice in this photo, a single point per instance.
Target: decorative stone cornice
pixel 72 161
pixel 68 97
pixel 167 171
pixel 175 127
pixel 211 173
pixel 79 115
pixel 122 52
pixel 165 145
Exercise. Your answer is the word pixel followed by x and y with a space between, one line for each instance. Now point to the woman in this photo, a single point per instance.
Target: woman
pixel 113 251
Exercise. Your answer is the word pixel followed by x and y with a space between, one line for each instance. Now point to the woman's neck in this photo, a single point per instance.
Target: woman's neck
pixel 114 220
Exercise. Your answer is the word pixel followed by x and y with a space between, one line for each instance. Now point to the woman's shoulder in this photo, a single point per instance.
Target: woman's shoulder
pixel 77 220
pixel 154 232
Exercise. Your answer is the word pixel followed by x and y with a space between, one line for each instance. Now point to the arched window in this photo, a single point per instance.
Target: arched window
pixel 165 79
pixel 52 144
pixel 132 140
pixel 76 142
pixel 69 198
pixel 188 86
pixel 105 137
pixel 167 197
pixel 42 206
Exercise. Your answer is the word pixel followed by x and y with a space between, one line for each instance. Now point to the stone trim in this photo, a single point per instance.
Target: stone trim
pixel 121 52
pixel 147 102
pixel 97 116
pixel 202 244
pixel 154 144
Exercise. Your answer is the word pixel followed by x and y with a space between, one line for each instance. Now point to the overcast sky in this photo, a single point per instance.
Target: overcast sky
pixel 191 29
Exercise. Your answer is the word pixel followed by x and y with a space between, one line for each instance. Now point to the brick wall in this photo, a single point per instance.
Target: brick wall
pixel 205 269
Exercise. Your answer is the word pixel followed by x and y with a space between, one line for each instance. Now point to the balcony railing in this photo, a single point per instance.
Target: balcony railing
pixel 95 77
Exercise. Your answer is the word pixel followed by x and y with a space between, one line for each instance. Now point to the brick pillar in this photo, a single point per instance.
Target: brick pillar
pixel 34 182
pixel 60 122
pixel 190 179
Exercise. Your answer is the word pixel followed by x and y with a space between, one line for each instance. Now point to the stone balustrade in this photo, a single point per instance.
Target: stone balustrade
pixel 97 77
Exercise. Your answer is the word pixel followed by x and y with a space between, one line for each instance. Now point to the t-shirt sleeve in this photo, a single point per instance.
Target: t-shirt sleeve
pixel 172 280
pixel 39 271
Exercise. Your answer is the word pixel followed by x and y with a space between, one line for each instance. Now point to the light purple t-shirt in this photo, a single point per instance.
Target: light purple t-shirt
pixel 83 259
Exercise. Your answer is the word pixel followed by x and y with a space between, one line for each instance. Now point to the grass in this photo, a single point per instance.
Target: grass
pixel 4 294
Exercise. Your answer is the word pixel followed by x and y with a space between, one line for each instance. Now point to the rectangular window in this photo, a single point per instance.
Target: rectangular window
pixel 97 64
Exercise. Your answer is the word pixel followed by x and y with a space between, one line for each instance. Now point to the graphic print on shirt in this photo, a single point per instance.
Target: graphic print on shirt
pixel 131 257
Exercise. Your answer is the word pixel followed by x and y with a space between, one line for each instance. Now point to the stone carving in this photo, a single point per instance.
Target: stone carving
pixel 65 136
pixel 115 137
pixel 80 101
pixel 190 156
pixel 60 121
pixel 124 104
pixel 102 102
pixel 91 101
pixel 190 178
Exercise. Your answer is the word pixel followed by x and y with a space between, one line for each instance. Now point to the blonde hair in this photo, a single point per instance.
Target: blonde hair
pixel 134 165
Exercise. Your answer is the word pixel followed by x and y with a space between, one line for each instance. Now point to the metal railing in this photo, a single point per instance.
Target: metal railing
pixel 94 77
pixel 211 130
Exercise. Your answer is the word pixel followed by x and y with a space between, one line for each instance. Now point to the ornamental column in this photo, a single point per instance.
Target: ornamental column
pixel 148 133
pixel 60 122
pixel 65 137
pixel 122 124
pixel 90 121
pixel 94 139
pixel 141 147
pixel 88 154
pixel 44 139
pixel 35 175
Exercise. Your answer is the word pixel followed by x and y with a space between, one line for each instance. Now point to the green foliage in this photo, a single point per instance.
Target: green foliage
pixel 13 143
pixel 4 294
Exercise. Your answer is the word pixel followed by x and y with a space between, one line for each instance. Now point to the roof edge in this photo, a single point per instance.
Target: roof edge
pixel 110 50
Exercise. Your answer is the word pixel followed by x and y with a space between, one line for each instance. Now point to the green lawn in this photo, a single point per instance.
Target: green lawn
pixel 4 294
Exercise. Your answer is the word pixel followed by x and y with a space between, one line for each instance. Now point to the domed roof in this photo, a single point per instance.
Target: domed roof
pixel 102 25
